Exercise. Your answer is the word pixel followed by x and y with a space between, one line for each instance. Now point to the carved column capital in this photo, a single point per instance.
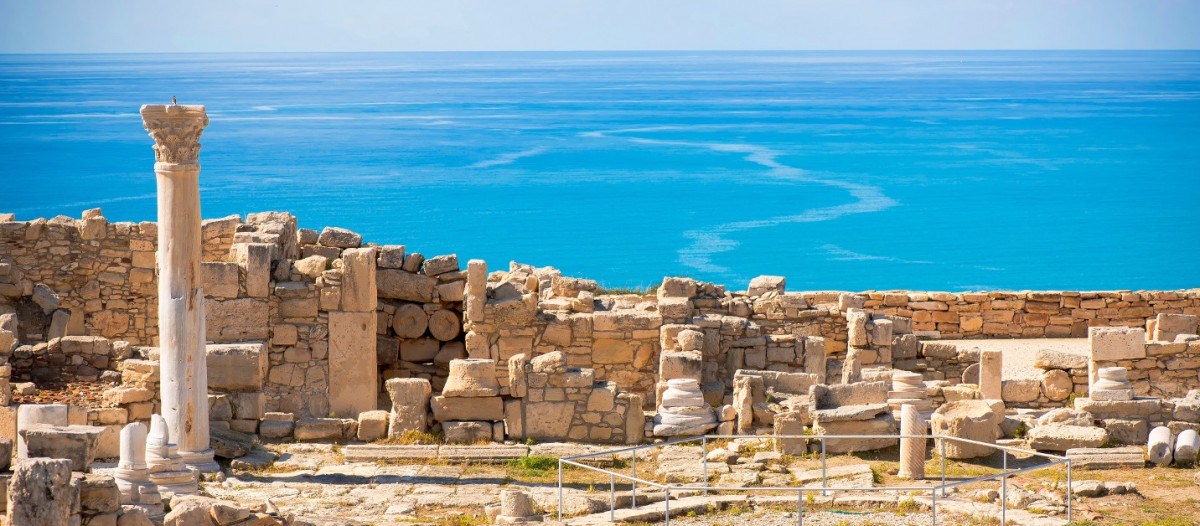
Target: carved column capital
pixel 176 131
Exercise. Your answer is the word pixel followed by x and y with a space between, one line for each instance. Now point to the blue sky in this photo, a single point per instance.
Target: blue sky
pixel 79 26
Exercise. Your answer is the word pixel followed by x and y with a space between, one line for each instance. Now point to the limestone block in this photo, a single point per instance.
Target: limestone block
pixel 339 237
pixel 413 262
pixel 372 425
pixel 312 266
pixel 254 259
pixel 1160 446
pixel 467 432
pixel 454 350
pixel 358 280
pixel 612 351
pixel 236 367
pixel 475 292
pixel 635 419
pixel 680 365
pixel 1117 343
pixel 1146 408
pixel 790 423
pixel 764 284
pixel 401 285
pixel 391 256
pixel 444 324
pixel 1168 326
pixel 446 408
pixel 410 404
pixel 883 425
pixel 977 420
pixel 1019 390
pixel 276 428
pixel 452 292
pixel 471 378
pixel 1057 437
pixel 440 265
pixel 673 287
pixel 234 320
pixel 881 332
pixel 548 420
pixel 991 385
pixel 38 493
pixel 1125 431
pixel 1051 359
pixel 317 429
pixel 353 366
pixel 856 324
pixel 219 279
pixel 74 443
pixel 29 415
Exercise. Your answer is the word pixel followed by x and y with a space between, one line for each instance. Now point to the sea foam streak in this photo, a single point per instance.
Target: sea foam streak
pixel 707 242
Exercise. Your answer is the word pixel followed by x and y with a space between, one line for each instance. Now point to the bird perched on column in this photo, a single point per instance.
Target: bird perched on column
pixel 173 103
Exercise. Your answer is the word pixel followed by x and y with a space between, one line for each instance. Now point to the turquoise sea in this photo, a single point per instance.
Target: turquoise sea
pixel 839 170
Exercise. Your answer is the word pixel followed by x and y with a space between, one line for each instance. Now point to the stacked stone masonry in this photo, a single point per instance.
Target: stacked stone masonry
pixel 325 307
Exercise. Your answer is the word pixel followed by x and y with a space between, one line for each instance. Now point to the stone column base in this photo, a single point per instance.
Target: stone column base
pixel 201 461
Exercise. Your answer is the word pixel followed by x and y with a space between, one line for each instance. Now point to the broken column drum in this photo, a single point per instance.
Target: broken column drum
pixel 184 375
pixel 132 475
pixel 167 469
pixel 912 448
pixel 683 410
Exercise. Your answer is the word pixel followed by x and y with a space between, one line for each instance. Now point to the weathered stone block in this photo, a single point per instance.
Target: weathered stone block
pixel 314 429
pixel 401 285
pixel 236 320
pixel 236 367
pixel 477 408
pixel 353 368
pixel 358 280
pixel 1117 343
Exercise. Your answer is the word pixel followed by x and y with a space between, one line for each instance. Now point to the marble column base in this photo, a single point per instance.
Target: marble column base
pixel 201 461
pixel 171 483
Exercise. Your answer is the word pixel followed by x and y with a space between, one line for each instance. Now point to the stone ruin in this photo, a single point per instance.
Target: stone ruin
pixel 256 329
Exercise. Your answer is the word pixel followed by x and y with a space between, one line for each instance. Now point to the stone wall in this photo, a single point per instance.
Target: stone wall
pixel 265 280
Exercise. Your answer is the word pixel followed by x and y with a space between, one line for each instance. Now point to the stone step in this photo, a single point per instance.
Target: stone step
pixel 376 453
pixel 697 505
pixel 1107 458
pixel 490 454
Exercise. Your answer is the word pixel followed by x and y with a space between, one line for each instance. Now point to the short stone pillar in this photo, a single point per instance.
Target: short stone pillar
pixel 912 449
pixel 167 469
pixel 39 493
pixel 852 367
pixel 683 411
pixel 353 366
pixel 184 374
pixel 410 405
pixel 516 507
pixel 1112 384
pixel 132 475
pixel 991 375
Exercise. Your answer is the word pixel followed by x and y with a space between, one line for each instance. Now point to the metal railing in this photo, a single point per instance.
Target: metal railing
pixel 824 489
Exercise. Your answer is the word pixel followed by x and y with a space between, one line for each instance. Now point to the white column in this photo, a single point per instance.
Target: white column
pixel 176 131
pixel 912 450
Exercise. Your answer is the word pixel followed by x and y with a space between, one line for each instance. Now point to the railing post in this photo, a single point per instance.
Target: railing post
pixel 633 495
pixel 823 479
pixel 612 498
pixel 942 445
pixel 667 509
pixel 560 491
pixel 704 462
pixel 800 509
pixel 933 506
pixel 1069 491
pixel 1004 488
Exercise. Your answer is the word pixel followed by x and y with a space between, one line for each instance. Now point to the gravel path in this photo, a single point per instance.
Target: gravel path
pixel 1019 354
